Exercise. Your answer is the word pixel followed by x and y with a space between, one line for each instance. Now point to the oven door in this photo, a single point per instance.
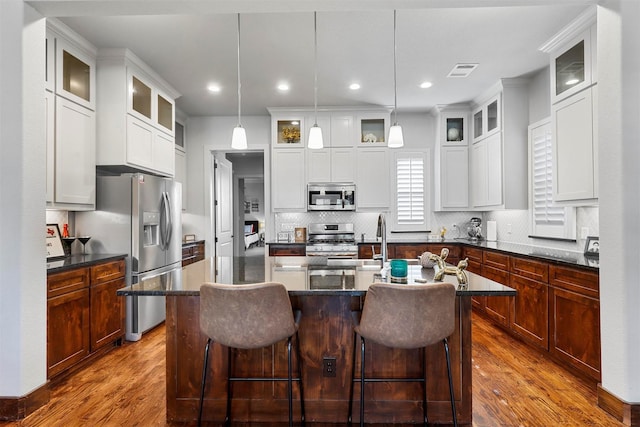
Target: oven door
pixel 328 278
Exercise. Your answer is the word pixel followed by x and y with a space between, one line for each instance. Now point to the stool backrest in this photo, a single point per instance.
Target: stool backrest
pixel 408 316
pixel 246 316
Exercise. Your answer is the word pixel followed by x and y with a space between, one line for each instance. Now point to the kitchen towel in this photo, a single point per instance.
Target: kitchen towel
pixel 491 231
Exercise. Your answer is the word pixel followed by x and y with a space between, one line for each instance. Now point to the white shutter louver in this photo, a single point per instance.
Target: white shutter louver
pixel 410 192
pixel 544 211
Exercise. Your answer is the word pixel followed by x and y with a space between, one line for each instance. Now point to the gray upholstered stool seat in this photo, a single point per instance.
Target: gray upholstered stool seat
pixel 406 317
pixel 247 317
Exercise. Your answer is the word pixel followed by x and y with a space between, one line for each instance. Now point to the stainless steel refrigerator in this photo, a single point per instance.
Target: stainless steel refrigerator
pixel 139 215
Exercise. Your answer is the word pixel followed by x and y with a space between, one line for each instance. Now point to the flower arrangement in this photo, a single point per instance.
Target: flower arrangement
pixel 291 134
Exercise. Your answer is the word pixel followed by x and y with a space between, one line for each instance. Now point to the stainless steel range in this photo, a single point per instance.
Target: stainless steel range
pixel 332 240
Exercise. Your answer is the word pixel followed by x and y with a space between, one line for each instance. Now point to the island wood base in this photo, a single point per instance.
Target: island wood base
pixel 325 331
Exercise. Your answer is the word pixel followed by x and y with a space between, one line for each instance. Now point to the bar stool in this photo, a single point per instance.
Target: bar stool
pixel 407 317
pixel 249 317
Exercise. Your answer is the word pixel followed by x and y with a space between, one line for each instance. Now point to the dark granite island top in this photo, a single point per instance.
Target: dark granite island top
pixel 366 272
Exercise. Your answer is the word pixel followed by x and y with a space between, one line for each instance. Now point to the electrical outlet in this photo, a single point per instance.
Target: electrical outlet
pixel 508 228
pixel 584 232
pixel 329 367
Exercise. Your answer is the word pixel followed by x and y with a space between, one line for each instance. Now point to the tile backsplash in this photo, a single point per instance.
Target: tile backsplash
pixel 512 225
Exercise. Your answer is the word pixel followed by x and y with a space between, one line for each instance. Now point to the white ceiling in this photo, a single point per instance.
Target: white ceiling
pixel 193 43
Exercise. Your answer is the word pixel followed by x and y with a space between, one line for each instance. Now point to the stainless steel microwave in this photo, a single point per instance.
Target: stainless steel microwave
pixel 331 197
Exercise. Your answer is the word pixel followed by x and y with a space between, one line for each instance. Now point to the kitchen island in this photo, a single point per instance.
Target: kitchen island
pixel 325 331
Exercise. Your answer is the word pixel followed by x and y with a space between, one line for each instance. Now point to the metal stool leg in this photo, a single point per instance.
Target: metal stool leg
pixel 362 348
pixel 300 378
pixel 353 377
pixel 424 387
pixel 204 379
pixel 289 382
pixel 453 401
pixel 227 418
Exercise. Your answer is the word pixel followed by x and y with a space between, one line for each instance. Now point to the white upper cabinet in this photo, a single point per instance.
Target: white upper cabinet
pixel 137 115
pixel 574 94
pixel 70 103
pixel 373 182
pixel 574 148
pixel 372 128
pixel 573 59
pixel 70 65
pixel 498 157
pixel 342 134
pixel 486 118
pixel 452 158
pixel 288 187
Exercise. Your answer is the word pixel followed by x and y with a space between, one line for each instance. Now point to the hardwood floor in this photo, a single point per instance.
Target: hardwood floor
pixel 512 386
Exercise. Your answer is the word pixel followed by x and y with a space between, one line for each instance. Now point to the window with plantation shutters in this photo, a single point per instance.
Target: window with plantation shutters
pixel 547 218
pixel 411 191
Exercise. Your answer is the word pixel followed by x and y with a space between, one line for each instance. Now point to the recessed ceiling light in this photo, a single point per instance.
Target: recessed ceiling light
pixel 571 82
pixel 426 85
pixel 213 88
pixel 354 86
pixel 283 87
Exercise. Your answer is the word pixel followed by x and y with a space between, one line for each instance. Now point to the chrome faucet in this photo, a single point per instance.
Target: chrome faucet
pixel 382 232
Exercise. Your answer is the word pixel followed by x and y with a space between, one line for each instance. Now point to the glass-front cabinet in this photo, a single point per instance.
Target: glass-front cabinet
pixel 486 119
pixel 573 65
pixel 75 73
pixel 372 129
pixel 147 103
pixel 140 97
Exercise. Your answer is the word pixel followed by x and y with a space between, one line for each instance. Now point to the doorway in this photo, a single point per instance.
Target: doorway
pixel 249 216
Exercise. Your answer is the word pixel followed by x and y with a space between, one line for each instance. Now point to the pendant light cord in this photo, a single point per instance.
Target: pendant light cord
pixel 395 82
pixel 315 67
pixel 239 84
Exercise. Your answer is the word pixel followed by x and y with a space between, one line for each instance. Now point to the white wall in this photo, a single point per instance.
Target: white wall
pixel 619 179
pixel 23 321
pixel 208 134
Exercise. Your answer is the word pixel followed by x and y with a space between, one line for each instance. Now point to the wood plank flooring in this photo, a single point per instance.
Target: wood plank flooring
pixel 512 386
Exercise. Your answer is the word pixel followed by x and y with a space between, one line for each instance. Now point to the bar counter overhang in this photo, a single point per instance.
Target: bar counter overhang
pixel 326 330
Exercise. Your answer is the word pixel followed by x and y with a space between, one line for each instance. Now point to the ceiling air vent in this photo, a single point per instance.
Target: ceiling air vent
pixel 462 70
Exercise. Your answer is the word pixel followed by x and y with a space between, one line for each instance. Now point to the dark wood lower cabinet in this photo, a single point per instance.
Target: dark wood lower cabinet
pixel 67 330
pixel 575 319
pixel 530 315
pixel 495 266
pixel 84 314
pixel 192 252
pixel 325 331
pixel 287 249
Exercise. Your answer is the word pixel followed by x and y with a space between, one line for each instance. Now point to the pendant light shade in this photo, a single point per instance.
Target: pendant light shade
pixel 315 137
pixel 239 137
pixel 395 132
pixel 315 133
pixel 395 136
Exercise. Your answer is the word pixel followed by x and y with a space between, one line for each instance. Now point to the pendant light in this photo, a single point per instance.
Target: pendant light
pixel 315 133
pixel 395 132
pixel 239 137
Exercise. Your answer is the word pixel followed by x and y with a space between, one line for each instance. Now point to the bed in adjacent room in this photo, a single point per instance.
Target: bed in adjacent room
pixel 251 235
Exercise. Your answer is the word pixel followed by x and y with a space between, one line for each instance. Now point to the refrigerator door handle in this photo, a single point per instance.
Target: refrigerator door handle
pixel 169 219
pixel 163 222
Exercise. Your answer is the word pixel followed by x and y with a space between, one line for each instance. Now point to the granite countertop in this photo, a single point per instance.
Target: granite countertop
pixel 77 261
pixel 557 256
pixel 193 275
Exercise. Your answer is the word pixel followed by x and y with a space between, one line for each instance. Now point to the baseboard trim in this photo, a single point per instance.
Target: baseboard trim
pixel 627 413
pixel 17 408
